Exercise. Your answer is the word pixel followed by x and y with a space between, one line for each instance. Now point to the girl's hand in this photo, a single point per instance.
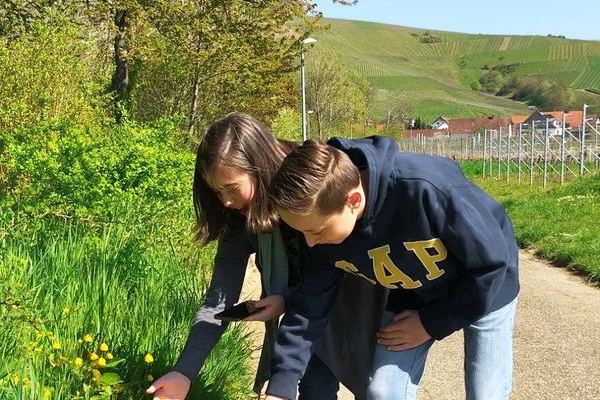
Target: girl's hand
pixel 272 307
pixel 271 397
pixel 171 386
pixel 405 332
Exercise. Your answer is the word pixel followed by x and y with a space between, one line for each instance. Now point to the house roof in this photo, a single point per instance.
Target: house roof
pixel 517 119
pixel 572 118
pixel 470 125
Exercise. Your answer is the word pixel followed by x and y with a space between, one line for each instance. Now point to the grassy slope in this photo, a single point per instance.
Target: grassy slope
pixel 430 75
pixel 561 223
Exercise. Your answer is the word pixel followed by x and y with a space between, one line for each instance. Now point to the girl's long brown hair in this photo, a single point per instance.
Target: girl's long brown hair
pixel 243 143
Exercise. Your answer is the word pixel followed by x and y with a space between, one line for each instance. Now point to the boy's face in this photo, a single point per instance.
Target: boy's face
pixel 326 229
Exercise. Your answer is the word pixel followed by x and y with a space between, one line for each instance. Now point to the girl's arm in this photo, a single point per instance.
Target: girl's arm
pixel 229 270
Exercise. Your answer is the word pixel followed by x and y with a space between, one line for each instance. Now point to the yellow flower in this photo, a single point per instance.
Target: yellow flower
pixel 102 362
pixel 109 356
pixel 56 345
pixel 104 346
pixel 88 338
pixel 15 378
pixel 40 334
pixel 93 356
pixel 66 310
pixel 148 358
pixel 47 393
pixel 97 375
pixel 78 361
pixel 150 378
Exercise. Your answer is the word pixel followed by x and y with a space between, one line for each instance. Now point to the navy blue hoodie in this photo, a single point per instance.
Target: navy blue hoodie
pixel 438 242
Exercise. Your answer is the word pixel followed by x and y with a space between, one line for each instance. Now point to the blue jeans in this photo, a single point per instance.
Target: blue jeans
pixel 488 361
pixel 318 382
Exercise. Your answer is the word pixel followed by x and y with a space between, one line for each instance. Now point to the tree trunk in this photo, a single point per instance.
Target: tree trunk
pixel 120 79
pixel 192 117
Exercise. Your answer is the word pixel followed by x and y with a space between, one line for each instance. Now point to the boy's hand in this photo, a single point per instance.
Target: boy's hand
pixel 171 386
pixel 271 397
pixel 405 332
pixel 273 306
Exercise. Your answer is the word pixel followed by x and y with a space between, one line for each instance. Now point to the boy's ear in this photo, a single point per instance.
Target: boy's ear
pixel 354 198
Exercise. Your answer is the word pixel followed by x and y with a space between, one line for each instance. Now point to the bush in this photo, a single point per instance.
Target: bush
pixel 491 81
pixel 287 125
pixel 65 170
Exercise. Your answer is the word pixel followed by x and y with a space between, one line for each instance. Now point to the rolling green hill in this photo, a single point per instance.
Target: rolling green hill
pixel 436 76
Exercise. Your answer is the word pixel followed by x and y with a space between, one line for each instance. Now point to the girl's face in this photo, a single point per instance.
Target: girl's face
pixel 234 188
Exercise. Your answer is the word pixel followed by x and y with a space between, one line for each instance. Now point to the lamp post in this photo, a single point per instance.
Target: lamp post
pixel 307 41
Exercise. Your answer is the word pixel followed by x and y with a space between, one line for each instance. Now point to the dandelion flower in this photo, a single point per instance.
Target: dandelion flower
pixel 78 361
pixel 104 346
pixel 150 378
pixel 47 393
pixel 109 356
pixel 40 334
pixel 102 362
pixel 56 346
pixel 88 338
pixel 148 358
pixel 93 356
pixel 66 310
pixel 15 378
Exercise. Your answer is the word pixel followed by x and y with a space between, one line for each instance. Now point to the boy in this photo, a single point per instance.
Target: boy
pixel 415 225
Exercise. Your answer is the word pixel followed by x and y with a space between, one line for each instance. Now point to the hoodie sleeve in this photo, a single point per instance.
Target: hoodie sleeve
pixel 308 307
pixel 469 225
pixel 228 274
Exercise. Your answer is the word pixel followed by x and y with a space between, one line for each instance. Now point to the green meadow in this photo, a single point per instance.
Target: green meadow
pixel 560 222
pixel 436 76
pixel 99 276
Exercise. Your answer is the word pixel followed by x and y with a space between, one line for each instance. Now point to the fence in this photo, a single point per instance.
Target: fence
pixel 522 153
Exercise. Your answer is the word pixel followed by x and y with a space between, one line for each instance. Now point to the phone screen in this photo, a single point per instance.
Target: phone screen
pixel 238 312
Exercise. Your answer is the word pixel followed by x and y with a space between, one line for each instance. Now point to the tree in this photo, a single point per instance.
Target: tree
pixel 491 81
pixel 232 54
pixel 397 111
pixel 336 95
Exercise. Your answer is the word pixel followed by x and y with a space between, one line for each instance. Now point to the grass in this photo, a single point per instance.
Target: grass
pixel 134 284
pixel 560 222
pixel 395 60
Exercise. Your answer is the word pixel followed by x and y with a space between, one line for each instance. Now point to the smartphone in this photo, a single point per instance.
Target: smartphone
pixel 239 311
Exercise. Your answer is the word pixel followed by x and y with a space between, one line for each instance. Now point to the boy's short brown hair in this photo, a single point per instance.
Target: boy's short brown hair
pixel 314 177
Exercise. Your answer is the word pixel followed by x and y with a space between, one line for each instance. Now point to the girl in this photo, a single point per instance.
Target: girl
pixel 235 162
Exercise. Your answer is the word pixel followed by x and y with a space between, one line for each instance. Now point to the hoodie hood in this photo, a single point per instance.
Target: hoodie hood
pixel 376 153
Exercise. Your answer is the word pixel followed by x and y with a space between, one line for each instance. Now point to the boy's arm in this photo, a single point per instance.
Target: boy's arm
pixel 308 306
pixel 474 230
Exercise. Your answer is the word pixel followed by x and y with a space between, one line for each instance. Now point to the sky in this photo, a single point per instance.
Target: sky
pixel 575 19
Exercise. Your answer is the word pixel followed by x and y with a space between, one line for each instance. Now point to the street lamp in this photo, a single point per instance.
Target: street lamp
pixel 307 41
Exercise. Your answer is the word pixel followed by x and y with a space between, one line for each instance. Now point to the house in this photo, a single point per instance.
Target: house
pixel 554 120
pixel 573 119
pixel 440 123
pixel 469 126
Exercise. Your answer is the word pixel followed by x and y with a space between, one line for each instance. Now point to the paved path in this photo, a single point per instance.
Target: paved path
pixel 557 340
